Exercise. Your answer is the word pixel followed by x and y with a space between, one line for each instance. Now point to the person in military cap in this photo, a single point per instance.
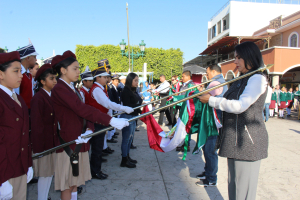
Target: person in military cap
pixel 28 60
pixel 114 97
pixel 87 82
pixel 98 98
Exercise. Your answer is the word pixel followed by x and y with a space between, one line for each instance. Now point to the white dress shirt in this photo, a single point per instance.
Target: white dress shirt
pixel 269 95
pixel 70 85
pixel 255 87
pixel 103 100
pixel 23 70
pixel 7 91
pixel 49 93
pixel 82 94
pixel 163 88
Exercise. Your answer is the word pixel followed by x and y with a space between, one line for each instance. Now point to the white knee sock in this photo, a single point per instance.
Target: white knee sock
pixel 271 113
pixel 44 184
pixel 105 142
pixel 281 113
pixel 74 196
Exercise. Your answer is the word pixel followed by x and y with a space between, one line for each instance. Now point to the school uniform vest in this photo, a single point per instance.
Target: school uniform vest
pixel 26 88
pixel 93 102
pixel 244 136
pixel 86 95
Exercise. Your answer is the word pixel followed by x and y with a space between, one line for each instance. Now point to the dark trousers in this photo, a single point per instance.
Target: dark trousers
pixel 161 113
pixel 97 143
pixel 174 112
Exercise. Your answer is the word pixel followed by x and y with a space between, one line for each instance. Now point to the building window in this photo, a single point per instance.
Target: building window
pixel 224 25
pixel 213 31
pixel 293 39
pixel 219 27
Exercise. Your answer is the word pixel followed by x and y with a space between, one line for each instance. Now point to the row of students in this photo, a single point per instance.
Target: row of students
pixel 68 113
pixel 283 100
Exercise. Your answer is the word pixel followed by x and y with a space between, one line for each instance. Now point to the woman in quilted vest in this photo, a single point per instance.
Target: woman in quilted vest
pixel 244 138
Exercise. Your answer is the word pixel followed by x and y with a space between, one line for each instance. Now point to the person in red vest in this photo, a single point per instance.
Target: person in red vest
pixel 15 158
pixel 28 60
pixel 87 83
pixel 99 99
pixel 44 128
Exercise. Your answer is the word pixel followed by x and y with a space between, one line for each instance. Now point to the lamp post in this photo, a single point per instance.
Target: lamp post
pixel 133 55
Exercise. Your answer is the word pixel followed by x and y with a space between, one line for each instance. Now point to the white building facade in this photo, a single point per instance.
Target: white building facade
pixel 243 18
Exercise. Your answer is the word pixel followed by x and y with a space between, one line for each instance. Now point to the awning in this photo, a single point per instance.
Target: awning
pixel 195 69
pixel 227 44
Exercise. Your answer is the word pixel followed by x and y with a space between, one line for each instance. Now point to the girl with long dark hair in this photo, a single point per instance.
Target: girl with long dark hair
pixel 130 98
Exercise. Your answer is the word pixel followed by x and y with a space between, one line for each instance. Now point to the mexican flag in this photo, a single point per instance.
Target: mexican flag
pixel 157 138
pixel 194 117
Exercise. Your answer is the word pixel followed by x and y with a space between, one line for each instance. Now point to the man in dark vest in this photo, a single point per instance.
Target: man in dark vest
pixel 209 176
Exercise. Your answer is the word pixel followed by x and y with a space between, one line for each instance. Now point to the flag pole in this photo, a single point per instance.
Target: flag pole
pixel 39 155
pixel 143 105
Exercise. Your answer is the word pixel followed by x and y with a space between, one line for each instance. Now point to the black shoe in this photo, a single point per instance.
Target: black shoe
pixel 100 176
pixel 137 129
pixel 49 198
pixel 79 190
pixel 114 136
pixel 116 133
pixel 131 160
pixel 104 154
pixel 33 180
pixel 126 163
pixel 111 150
pixel 112 140
pixel 132 146
pixel 107 151
pixel 205 183
pixel 201 176
pixel 103 160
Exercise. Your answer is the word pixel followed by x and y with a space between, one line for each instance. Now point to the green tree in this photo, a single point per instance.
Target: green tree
pixel 160 61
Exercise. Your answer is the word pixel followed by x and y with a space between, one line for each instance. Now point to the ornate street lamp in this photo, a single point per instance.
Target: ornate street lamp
pixel 133 55
pixel 123 45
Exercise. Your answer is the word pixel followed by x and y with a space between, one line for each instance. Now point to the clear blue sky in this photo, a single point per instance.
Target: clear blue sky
pixel 60 25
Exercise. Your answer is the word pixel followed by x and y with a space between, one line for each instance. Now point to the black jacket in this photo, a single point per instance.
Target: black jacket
pixel 132 99
pixel 114 95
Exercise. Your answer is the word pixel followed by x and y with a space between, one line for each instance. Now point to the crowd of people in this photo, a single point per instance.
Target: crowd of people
pixel 280 100
pixel 42 108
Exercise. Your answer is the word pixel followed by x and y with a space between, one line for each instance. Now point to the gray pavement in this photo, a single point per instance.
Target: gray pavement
pixel 166 176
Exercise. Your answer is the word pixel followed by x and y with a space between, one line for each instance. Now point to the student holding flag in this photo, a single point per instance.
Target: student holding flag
pixel 209 176
pixel 75 120
pixel 99 99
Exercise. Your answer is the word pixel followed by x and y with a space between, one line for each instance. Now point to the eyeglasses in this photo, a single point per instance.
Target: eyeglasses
pixel 173 79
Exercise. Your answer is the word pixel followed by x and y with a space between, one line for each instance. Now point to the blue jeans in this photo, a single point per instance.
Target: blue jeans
pixel 266 112
pixel 211 159
pixel 127 135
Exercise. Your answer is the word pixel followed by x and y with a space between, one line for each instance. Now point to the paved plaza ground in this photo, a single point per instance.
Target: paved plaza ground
pixel 163 176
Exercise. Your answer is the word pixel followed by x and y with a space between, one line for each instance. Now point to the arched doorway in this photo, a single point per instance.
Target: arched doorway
pixel 290 77
pixel 229 75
